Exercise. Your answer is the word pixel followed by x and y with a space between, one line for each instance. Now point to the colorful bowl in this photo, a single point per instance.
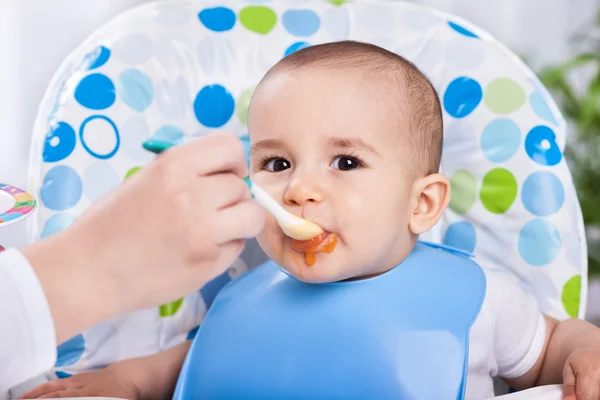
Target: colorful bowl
pixel 15 205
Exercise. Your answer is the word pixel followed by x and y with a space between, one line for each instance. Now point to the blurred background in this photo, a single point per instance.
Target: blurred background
pixel 559 39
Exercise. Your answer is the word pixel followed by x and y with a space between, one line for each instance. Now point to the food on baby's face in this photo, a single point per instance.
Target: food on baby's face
pixel 325 242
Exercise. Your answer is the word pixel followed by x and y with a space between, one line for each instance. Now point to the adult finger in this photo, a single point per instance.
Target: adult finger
pixel 218 152
pixel 223 190
pixel 244 220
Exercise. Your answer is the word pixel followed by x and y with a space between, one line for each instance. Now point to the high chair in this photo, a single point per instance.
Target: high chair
pixel 179 69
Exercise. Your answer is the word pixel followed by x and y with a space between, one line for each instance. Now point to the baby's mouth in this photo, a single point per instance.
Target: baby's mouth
pixel 325 242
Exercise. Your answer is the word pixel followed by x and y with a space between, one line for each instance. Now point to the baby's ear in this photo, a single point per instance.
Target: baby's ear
pixel 430 197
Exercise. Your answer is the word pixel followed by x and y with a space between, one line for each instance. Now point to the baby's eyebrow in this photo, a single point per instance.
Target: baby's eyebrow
pixel 355 143
pixel 267 144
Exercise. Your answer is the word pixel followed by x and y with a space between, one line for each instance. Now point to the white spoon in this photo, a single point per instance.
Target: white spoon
pixel 293 226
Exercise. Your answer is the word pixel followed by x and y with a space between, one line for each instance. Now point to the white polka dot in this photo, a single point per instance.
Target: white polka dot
pixel 409 49
pixel 54 141
pixel 336 21
pixel 384 42
pixel 545 144
pixel 99 179
pixel 465 53
pixel 174 17
pixel 172 98
pixel 99 136
pixel 133 133
pixel 216 53
pixel 173 53
pixel 376 19
pixel 420 20
pixel 135 48
pixel 429 56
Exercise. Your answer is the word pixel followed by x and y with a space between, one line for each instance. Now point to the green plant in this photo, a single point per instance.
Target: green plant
pixel 581 108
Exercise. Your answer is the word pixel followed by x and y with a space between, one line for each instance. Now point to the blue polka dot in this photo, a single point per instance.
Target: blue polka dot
pixel 218 19
pixel 295 47
pixel 169 133
pixel 211 289
pixel 214 106
pixel 192 334
pixel 462 96
pixel 61 188
pixel 96 92
pixel 301 22
pixel 500 139
pixel 135 89
pixel 246 143
pixel 60 142
pixel 70 351
pixel 541 108
pixel 539 242
pixel 85 145
pixel 542 193
pixel 462 30
pixel 62 375
pixel 100 57
pixel 541 147
pixel 56 223
pixel 461 235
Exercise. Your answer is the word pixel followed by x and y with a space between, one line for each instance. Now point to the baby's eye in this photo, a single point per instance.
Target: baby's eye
pixel 277 165
pixel 345 163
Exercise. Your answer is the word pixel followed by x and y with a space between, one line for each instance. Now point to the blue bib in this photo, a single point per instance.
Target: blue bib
pixel 401 335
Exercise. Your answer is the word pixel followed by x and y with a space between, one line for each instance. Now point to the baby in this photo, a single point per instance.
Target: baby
pixel 349 136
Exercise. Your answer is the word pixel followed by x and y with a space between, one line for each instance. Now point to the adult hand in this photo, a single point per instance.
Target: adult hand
pixel 164 233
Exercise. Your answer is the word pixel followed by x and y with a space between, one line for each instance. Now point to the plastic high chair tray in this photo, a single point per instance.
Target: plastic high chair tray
pixel 550 392
pixel 15 204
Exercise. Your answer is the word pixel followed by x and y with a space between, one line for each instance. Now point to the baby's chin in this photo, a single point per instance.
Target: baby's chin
pixel 325 269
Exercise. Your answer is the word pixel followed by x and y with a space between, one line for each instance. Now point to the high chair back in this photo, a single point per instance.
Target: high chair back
pixel 179 69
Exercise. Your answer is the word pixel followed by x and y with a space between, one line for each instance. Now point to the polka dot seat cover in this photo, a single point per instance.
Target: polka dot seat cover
pixel 178 69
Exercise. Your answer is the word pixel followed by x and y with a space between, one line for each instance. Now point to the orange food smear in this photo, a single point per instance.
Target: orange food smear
pixel 325 242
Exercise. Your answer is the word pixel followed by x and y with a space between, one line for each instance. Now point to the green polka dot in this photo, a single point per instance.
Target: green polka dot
pixel 498 190
pixel 570 296
pixel 463 191
pixel 259 19
pixel 504 96
pixel 242 105
pixel 337 2
pixel 168 310
pixel 131 172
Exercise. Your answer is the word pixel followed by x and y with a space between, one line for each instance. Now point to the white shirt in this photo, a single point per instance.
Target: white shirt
pixel 507 336
pixel 27 335
pixel 505 340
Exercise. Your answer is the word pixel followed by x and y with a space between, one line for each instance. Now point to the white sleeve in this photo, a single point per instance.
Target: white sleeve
pixel 27 335
pixel 518 327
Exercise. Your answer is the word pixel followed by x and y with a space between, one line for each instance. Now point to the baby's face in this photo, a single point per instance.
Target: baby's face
pixel 329 148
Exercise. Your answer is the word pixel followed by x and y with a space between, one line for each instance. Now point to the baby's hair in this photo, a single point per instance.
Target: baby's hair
pixel 424 110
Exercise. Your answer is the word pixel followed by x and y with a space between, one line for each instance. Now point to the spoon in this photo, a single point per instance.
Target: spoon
pixel 292 225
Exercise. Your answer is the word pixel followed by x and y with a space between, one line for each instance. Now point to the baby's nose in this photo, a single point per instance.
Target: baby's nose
pixel 300 194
